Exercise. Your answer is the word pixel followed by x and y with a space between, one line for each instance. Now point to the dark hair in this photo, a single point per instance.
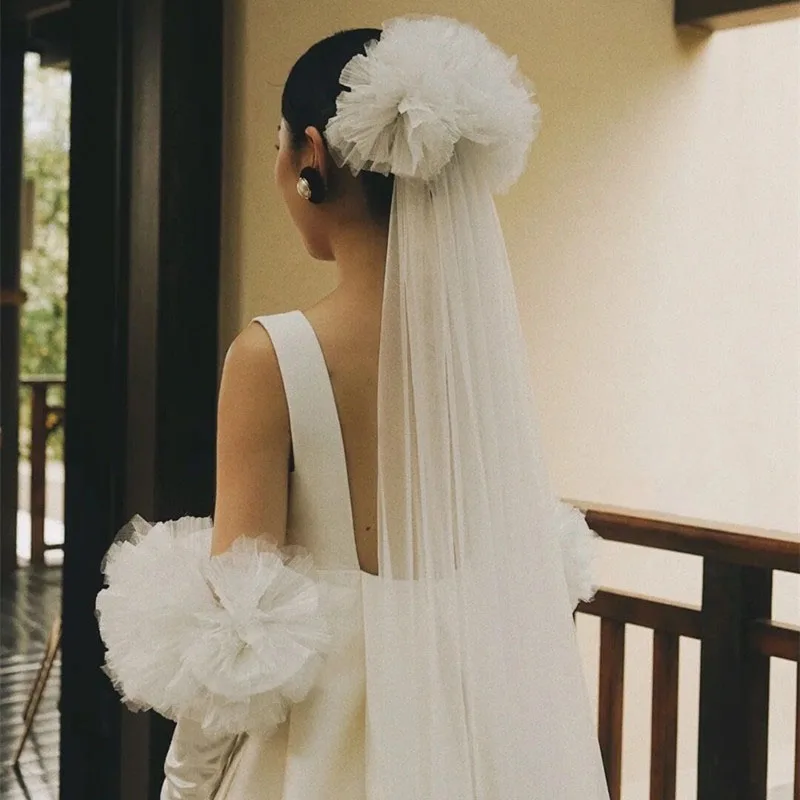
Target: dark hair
pixel 309 98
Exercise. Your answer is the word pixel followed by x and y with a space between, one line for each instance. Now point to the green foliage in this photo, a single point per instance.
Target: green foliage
pixel 44 267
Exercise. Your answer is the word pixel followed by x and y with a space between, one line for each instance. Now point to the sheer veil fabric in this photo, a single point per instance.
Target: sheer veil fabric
pixel 475 687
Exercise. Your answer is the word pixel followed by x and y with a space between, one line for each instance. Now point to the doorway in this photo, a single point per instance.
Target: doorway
pixel 141 336
pixel 35 176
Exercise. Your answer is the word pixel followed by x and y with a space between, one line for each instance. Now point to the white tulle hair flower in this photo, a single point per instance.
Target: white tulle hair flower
pixel 428 89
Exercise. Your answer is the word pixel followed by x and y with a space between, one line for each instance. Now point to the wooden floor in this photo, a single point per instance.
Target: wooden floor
pixel 29 602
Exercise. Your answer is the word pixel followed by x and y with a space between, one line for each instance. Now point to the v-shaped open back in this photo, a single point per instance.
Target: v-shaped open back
pixel 320 508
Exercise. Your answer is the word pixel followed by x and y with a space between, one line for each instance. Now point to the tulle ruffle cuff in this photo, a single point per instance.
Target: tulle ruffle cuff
pixel 229 641
pixel 579 545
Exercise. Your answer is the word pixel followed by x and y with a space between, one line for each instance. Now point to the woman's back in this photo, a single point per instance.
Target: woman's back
pixel 348 330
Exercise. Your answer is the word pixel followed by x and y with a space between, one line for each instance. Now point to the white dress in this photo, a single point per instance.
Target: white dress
pixel 184 630
pixel 318 752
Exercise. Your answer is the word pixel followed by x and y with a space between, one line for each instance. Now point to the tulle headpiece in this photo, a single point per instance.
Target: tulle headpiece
pixel 426 89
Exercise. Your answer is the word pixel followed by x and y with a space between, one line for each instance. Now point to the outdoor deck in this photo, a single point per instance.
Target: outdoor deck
pixel 29 602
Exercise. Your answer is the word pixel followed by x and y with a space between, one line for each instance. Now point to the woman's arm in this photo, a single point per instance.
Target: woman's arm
pixel 224 644
pixel 253 441
pixel 252 487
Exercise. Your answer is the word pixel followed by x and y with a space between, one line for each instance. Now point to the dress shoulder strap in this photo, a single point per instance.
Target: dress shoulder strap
pixel 316 432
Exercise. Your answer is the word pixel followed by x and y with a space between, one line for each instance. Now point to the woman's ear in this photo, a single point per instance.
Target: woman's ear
pixel 317 150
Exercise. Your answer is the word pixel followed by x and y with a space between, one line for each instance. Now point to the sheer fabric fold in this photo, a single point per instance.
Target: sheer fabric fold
pixel 474 678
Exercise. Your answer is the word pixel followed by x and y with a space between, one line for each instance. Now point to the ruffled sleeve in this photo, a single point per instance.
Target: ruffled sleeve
pixel 229 642
pixel 579 545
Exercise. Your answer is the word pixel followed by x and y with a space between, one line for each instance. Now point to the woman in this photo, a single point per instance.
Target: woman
pixel 388 436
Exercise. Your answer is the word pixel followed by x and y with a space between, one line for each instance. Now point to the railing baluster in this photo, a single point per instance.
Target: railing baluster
pixel 38 469
pixel 757 605
pixel 797 734
pixel 664 724
pixel 734 684
pixel 721 754
pixel 612 675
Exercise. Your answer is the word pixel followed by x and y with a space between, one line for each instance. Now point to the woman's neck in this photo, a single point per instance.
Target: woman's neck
pixel 360 253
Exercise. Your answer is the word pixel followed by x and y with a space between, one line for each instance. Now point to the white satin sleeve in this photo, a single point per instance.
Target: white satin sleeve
pixel 196 762
pixel 228 642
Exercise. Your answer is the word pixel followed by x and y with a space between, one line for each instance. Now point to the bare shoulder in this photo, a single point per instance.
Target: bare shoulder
pixel 251 349
pixel 251 389
pixel 252 442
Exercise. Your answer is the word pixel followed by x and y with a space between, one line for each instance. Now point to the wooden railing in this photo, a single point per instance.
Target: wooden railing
pixel 738 639
pixel 45 420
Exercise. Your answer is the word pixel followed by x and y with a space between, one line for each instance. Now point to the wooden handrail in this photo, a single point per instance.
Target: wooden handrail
pixel 775 639
pixel 733 544
pixel 646 612
pixel 12 297
pixel 50 380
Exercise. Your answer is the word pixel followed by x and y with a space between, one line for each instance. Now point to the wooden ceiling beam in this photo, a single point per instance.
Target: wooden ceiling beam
pixel 721 14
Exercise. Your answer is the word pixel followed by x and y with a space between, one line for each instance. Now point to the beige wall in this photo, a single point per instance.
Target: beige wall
pixel 655 239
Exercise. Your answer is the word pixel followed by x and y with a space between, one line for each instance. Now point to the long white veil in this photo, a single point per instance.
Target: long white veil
pixel 475 687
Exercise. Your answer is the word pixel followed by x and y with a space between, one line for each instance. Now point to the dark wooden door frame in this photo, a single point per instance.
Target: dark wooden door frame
pixel 142 358
pixel 12 48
